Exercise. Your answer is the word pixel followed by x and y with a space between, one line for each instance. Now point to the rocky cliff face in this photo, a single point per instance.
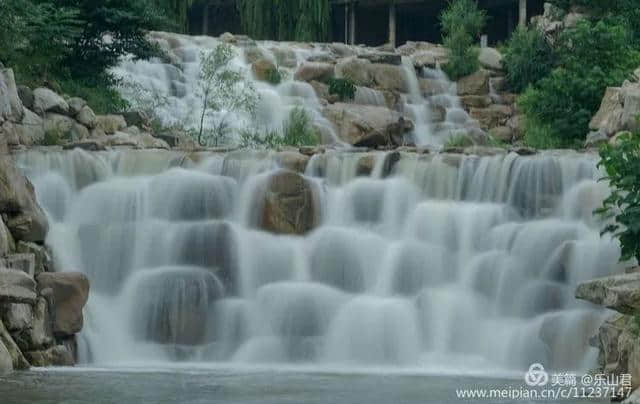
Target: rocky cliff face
pixel 40 310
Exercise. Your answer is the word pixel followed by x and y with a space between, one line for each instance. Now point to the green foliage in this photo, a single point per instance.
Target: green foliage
pixel 462 22
pixel 591 57
pixel 458 141
pixel 528 57
pixel 177 11
pixel 274 76
pixel 617 11
pixel 541 136
pixel 101 94
pixel 286 20
pixel 52 138
pixel 343 88
pixel 622 166
pixel 224 91
pixel 298 129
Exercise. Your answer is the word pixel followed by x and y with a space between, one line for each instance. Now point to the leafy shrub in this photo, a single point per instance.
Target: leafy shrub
pixel 343 88
pixel 274 76
pixel 622 166
pixel 461 22
pixel 528 57
pixel 591 57
pixel 298 129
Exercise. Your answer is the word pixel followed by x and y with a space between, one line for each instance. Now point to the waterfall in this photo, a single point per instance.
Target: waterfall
pixel 434 261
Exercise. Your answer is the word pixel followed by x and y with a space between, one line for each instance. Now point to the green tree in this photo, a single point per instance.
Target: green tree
pixel 223 90
pixel 462 22
pixel 528 57
pixel 621 163
pixel 590 58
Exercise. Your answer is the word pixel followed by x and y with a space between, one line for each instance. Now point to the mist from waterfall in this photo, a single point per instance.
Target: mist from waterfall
pixel 436 261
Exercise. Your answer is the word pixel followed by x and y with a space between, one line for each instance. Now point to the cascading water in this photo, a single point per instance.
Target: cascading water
pixel 170 88
pixel 430 262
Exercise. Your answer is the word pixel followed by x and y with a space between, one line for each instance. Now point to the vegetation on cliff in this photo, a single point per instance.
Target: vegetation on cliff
pixel 462 23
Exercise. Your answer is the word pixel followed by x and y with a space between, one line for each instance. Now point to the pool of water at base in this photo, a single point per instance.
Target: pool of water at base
pixel 246 386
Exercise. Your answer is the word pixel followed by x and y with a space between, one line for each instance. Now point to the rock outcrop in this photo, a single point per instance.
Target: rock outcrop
pixel 288 205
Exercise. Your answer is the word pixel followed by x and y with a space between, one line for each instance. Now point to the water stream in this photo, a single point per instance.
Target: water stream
pixel 437 261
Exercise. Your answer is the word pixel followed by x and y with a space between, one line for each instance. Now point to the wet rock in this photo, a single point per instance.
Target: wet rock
pixel 45 100
pixel 87 117
pixel 356 70
pixel 424 60
pixel 502 133
pixel 389 77
pixel 431 87
pixel 16 287
pixel 516 123
pixel 19 262
pixel 631 109
pixel 619 292
pixel 366 125
pixel 58 355
pixel 70 291
pixel 288 206
pixel 6 364
pixel 293 161
pixel 10 104
pixel 475 84
pixel 38 335
pixel 43 261
pixel 310 71
pixel 263 69
pixel 111 124
pixel 88 145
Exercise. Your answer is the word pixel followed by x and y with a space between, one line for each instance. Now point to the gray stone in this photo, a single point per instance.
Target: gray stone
pixel 288 206
pixel 17 359
pixel 75 105
pixel 10 104
pixel 310 71
pixel 31 130
pixel 16 316
pixel 595 139
pixel 40 334
pixel 70 291
pixel 490 58
pixel 16 287
pixel 424 59
pixel 42 256
pixel 136 118
pixel 87 117
pixel 366 125
pixel 26 96
pixel 111 124
pixel 619 292
pixel 46 100
pixel 502 133
pixel 20 262
pixel 631 110
pixel 493 116
pixel 356 70
pixel 475 84
pixel 7 244
pixel 6 364
pixel 293 161
pixel 59 127
pixel 608 119
pixel 58 355
pixel 388 58
pixel 389 77
pixel 9 134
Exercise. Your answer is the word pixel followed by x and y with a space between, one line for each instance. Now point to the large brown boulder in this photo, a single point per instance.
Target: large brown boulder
pixel 110 124
pixel 609 116
pixel 30 130
pixel 55 356
pixel 389 77
pixel 68 295
pixel 493 116
pixel 45 100
pixel 367 125
pixel 18 361
pixel 288 206
pixel 263 69
pixel 356 70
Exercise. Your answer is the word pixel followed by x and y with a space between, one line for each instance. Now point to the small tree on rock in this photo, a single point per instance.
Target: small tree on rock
pixel 223 90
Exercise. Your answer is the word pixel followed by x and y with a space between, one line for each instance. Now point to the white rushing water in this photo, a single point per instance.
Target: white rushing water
pixel 431 261
pixel 170 89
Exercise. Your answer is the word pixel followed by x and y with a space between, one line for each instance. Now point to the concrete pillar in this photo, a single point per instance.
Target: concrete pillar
pixel 484 40
pixel 522 8
pixel 352 24
pixel 392 24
